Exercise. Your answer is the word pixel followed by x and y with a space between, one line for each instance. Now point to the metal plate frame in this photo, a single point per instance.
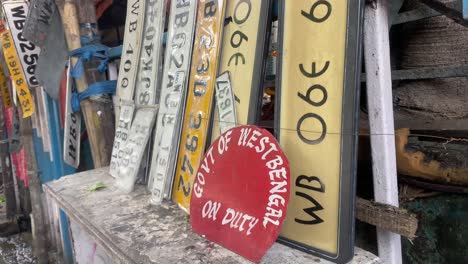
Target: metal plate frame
pixel 172 102
pixel 349 129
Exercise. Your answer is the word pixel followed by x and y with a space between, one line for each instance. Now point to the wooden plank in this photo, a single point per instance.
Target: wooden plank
pixel 123 225
pixel 379 98
pixel 387 217
pixel 38 215
pixel 97 111
pixel 427 73
pixel 173 95
pixel 199 101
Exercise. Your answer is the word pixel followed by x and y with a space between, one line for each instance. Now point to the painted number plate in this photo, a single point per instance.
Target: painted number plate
pixel 15 13
pixel 17 75
pixel 319 65
pixel 243 52
pixel 199 100
pixel 121 136
pixel 130 51
pixel 173 92
pixel 225 103
pixel 150 55
pixel 72 127
pixel 134 148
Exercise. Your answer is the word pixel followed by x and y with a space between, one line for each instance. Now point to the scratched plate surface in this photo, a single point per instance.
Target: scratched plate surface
pixel 172 102
pixel 225 109
pixel 20 84
pixel 121 136
pixel 134 148
pixel 15 13
pixel 72 127
pixel 131 48
pixel 147 84
pixel 243 53
pixel 200 97
pixel 317 106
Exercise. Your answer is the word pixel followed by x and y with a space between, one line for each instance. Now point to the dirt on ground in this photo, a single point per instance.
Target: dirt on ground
pixel 16 249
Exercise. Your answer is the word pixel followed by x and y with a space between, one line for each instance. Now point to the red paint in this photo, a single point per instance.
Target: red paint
pixel 62 98
pixel 241 192
pixel 18 159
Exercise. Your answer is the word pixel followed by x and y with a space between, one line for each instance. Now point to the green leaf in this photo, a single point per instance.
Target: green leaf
pixel 2 199
pixel 96 187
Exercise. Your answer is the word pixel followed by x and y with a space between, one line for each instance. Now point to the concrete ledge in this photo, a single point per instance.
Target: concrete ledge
pixel 130 230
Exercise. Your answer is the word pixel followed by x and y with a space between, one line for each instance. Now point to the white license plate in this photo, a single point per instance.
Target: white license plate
pixel 225 103
pixel 15 13
pixel 131 48
pixel 122 132
pixel 150 55
pixel 134 148
pixel 173 91
pixel 72 127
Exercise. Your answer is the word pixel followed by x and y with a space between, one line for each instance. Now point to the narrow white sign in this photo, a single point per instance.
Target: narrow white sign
pixel 147 84
pixel 121 136
pixel 172 100
pixel 15 13
pixel 134 148
pixel 225 102
pixel 72 127
pixel 130 51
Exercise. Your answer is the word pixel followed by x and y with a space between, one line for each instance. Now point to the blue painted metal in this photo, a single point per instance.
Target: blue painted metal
pixel 465 9
pixel 52 170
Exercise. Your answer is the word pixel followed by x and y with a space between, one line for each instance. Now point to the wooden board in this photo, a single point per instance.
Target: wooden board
pixel 317 122
pixel 130 230
pixel 200 98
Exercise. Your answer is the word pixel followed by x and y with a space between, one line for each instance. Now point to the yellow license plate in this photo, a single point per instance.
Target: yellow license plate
pixel 317 109
pixel 17 75
pixel 200 97
pixel 5 89
pixel 242 56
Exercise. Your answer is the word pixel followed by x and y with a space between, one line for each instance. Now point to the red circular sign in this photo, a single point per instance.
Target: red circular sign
pixel 241 192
